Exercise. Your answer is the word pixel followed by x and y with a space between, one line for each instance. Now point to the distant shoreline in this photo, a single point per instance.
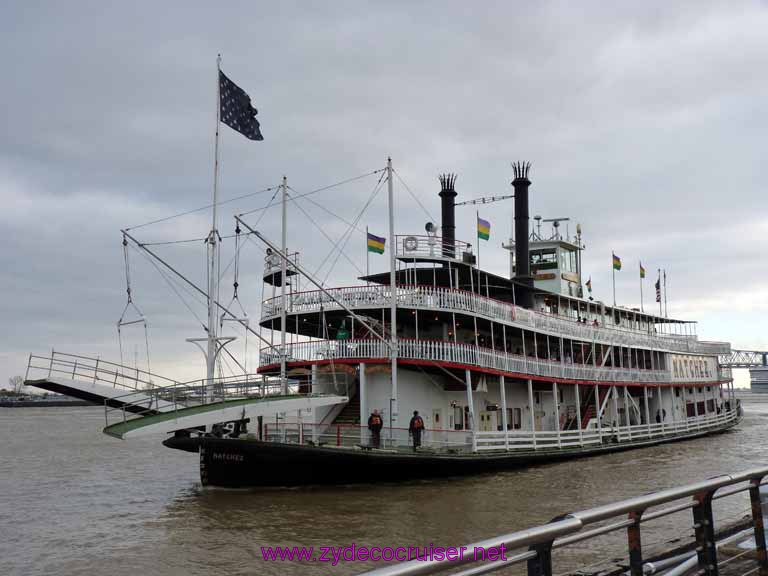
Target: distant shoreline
pixel 43 403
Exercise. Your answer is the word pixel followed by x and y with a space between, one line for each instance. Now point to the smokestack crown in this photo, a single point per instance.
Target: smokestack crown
pixel 447 182
pixel 448 210
pixel 521 170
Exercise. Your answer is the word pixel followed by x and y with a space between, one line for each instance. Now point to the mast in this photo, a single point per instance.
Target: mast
pixel 393 295
pixel 283 276
pixel 210 359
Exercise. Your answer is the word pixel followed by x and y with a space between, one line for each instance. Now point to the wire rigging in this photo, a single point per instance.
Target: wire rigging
pixel 311 192
pixel 201 208
pixel 349 231
pixel 131 304
pixel 345 237
pixel 430 216
pixel 327 237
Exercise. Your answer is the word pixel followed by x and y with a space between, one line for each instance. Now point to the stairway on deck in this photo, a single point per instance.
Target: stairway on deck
pixel 588 409
pixel 350 414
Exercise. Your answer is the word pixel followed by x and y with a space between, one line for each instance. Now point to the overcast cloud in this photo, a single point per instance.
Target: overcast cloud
pixel 645 122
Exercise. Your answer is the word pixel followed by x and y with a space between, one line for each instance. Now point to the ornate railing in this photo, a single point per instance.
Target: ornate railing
pixel 415 246
pixel 456 353
pixel 451 300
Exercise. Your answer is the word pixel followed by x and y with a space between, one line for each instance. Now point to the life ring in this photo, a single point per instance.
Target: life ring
pixel 411 243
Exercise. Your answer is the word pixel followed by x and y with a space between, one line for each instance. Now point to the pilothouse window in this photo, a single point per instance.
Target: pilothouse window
pixel 543 259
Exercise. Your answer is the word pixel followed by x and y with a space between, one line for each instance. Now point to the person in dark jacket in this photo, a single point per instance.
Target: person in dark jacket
pixel 415 429
pixel 375 424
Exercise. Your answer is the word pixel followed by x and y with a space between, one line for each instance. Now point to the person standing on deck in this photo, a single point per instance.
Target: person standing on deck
pixel 415 428
pixel 375 423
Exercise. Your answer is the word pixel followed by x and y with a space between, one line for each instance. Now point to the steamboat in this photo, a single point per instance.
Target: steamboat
pixel 435 367
pixel 503 371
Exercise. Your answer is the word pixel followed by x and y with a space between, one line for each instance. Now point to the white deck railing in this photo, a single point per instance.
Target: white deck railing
pixel 449 300
pixel 441 440
pixel 543 439
pixel 464 354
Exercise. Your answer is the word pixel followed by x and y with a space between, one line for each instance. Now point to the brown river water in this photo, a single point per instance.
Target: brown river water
pixel 75 502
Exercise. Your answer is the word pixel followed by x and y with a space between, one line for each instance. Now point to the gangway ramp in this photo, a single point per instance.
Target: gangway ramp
pixel 217 412
pixel 98 381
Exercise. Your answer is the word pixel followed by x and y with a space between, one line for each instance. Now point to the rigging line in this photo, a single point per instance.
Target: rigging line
pixel 432 218
pixel 349 231
pixel 347 181
pixel 232 357
pixel 173 287
pixel 192 285
pixel 200 209
pixel 237 251
pixel 323 232
pixel 188 241
pixel 174 242
pixel 347 222
pixel 374 192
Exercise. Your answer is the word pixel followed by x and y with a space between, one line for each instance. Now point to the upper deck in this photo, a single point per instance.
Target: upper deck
pixel 437 299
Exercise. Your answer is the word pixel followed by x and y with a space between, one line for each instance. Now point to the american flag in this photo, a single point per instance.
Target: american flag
pixel 236 110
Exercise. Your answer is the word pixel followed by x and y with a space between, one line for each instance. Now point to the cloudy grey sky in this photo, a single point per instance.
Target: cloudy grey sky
pixel 645 122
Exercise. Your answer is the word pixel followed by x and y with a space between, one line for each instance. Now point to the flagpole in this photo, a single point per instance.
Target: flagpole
pixel 641 286
pixel 665 294
pixel 283 280
pixel 394 410
pixel 210 359
pixel 477 234
pixel 367 257
pixel 613 269
pixel 659 295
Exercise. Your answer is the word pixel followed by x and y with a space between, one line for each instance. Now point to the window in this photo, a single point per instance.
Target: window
pixel 677 392
pixel 543 259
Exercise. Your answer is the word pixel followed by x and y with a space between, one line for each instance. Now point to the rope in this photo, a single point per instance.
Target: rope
pixel 175 290
pixel 323 232
pixel 347 181
pixel 430 216
pixel 346 234
pixel 201 208
pixel 131 304
pixel 349 231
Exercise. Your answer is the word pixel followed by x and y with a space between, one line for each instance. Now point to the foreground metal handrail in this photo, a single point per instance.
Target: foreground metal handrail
pixel 570 528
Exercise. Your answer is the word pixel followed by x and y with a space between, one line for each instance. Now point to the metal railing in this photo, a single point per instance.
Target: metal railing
pixel 457 353
pixel 75 367
pixel 180 396
pixel 454 441
pixel 452 300
pixel 347 435
pixel 592 435
pixel 535 546
pixel 416 246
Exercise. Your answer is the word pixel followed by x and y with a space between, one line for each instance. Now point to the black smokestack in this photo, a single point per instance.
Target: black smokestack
pixel 522 258
pixel 447 195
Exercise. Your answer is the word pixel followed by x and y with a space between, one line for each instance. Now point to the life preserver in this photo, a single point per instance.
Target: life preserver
pixel 411 243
